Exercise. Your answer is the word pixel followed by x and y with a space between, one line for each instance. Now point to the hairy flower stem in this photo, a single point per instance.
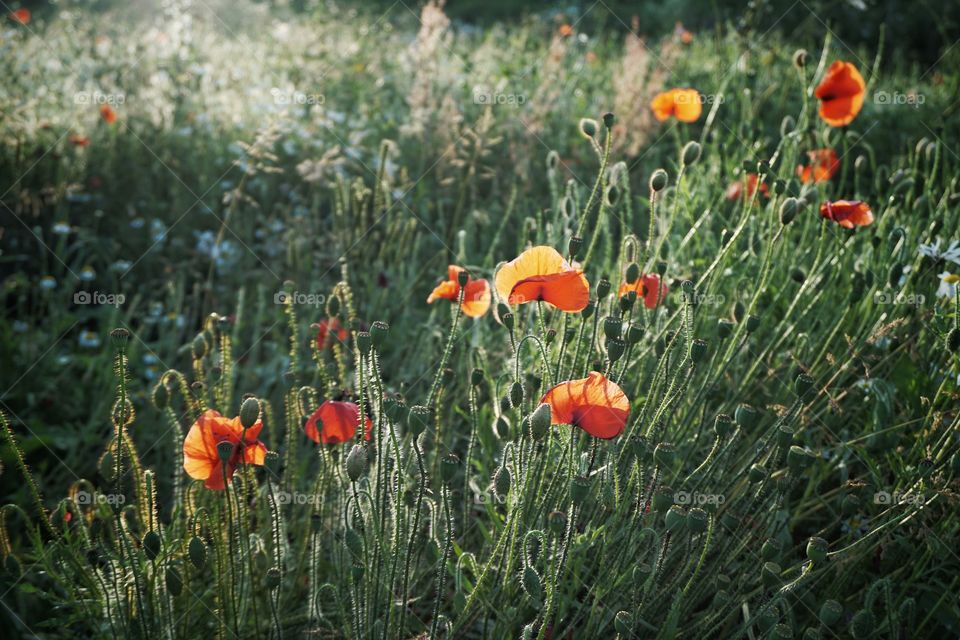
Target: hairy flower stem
pixel 442 571
pixel 414 532
pixel 447 349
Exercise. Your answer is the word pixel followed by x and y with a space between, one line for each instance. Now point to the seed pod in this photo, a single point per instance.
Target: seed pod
pixel 225 450
pixel 603 288
pixel 540 422
pixel 770 550
pixel 803 385
pixel 830 613
pixel 746 416
pixel 782 632
pixel 507 320
pixel 698 350
pixel 634 334
pixel 272 580
pixel 449 465
pixel 623 624
pixel 588 310
pixel 627 300
pixel 662 499
pixel 418 419
pixel 739 311
pixel 151 544
pixel 579 489
pixel 697 520
pixel 173 580
pixel 550 336
pixel 658 180
pixel 356 462
pixel 615 349
pixel 378 332
pixel 675 519
pixel 953 340
pixel 249 412
pixel 197 552
pixel 757 473
pixel 608 120
pixel 476 377
pixel 364 342
pixel 724 329
pixel 574 246
pixel 557 521
pixel 784 435
pixel 817 549
pixel 723 425
pixel 664 455
pixel 753 323
pixel 798 459
pixel 863 624
pixel 770 575
pixel 691 153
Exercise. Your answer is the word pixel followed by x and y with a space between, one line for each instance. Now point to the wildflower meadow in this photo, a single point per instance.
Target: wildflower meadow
pixel 414 319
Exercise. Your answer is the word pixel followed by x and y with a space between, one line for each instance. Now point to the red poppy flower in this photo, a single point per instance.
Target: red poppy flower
pixel 681 32
pixel 476 296
pixel 201 460
pixel 541 273
pixel 736 191
pixel 683 104
pixel 20 16
pixel 565 30
pixel 594 404
pixel 649 288
pixel 840 94
pixel 327 329
pixel 109 115
pixel 337 422
pixel 824 163
pixel 78 140
pixel 847 213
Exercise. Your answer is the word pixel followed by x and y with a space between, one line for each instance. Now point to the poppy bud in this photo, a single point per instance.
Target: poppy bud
pixel 770 549
pixel 557 521
pixel 378 331
pixel 723 425
pixel 863 624
pixel 225 450
pixel 612 326
pixel 925 467
pixel 550 336
pixel 608 120
pixel 698 350
pixel 697 520
pixel 830 613
pixel 446 376
pixel 627 300
pixel 746 416
pixel 197 552
pixel 476 377
pixel 658 180
pixel 540 421
pixel 664 454
pixel 615 349
pixel 199 347
pixel 817 549
pixel 418 419
pixel 770 574
pixel 633 273
pixel 739 311
pixel 800 58
pixel 588 310
pixel 623 624
pixel 753 323
pixel 249 412
pixel 603 288
pixel 449 464
pixel 691 153
pixel 798 459
pixel 505 404
pixel 724 329
pixel 953 340
pixel 579 489
pixel 161 396
pixel 798 276
pixel 507 319
pixel 463 277
pixel 662 499
pixel 788 210
pixel 356 462
pixel 553 159
pixel 532 584
pixel 516 394
pixel 803 385
pixel 588 127
pixel 784 435
pixel 661 268
pixel 634 334
pixel 151 544
pixel 364 342
pixel 757 473
pixel 782 632
pixel 356 571
pixel 173 581
pixel 333 306
pixel 501 481
pixel 272 580
pixel 675 518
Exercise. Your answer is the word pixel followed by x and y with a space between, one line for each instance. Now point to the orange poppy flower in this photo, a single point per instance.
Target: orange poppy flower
pixel 681 32
pixel 823 164
pixel 594 404
pixel 736 191
pixel 337 422
pixel 328 328
pixel 78 140
pixel 541 273
pixel 565 30
pixel 201 460
pixel 109 115
pixel 649 288
pixel 847 213
pixel 682 104
pixel 840 94
pixel 476 296
pixel 20 16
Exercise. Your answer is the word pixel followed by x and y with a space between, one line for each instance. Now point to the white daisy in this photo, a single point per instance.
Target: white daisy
pixel 932 251
pixel 948 285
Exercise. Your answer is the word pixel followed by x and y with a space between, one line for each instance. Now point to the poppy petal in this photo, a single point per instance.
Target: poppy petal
pixel 594 404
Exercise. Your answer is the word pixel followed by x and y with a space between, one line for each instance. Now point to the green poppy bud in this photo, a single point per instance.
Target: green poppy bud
pixel 739 311
pixel 953 340
pixel 788 210
pixel 782 632
pixel 364 342
pixel 356 462
pixel 540 422
pixel 197 552
pixel 476 377
pixel 557 521
pixel 770 550
pixel 633 273
pixel 173 581
pixel 863 624
pixel 831 612
pixel 249 412
pixel 199 347
pixel 662 499
pixel 770 575
pixel 532 584
pixel 502 480
pixel 449 464
pixel 516 394
pixel 746 417
pixel 161 396
pixel 724 329
pixel 550 336
pixel 658 180
pixel 675 518
pixel 151 544
pixel 753 323
pixel 691 153
pixel 588 127
pixel 608 120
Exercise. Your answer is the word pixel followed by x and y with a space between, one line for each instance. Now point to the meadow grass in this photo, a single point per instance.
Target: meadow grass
pixel 226 208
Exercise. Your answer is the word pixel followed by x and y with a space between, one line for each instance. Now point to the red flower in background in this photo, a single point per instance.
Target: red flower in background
pixel 594 404
pixel 476 295
pixel 327 330
pixel 824 163
pixel 736 189
pixel 20 16
pixel 109 115
pixel 335 422
pixel 649 288
pixel 847 213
